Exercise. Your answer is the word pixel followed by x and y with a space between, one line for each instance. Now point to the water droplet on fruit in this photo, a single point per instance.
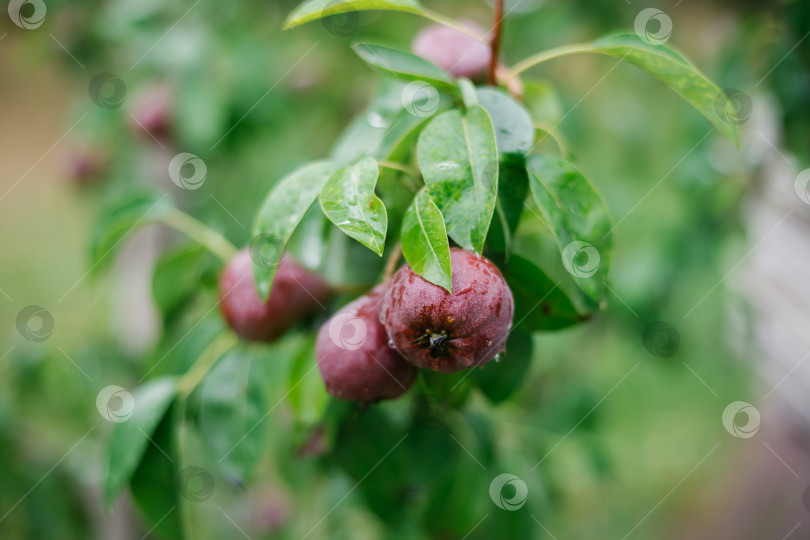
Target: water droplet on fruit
pixel 391 343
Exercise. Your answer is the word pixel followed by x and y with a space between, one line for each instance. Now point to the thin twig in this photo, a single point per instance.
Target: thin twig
pixel 391 263
pixel 496 42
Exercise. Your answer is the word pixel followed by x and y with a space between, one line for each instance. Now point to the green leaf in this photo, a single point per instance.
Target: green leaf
pixel 307 394
pixel 312 10
pixel 577 217
pixel 233 402
pixel 514 129
pixel 424 241
pixel 458 157
pixel 387 128
pixel 131 436
pixel 499 380
pixel 513 186
pixel 671 67
pixel 119 222
pixel 348 200
pixel 541 100
pixel 540 304
pixel 177 276
pixel 280 214
pixel 404 65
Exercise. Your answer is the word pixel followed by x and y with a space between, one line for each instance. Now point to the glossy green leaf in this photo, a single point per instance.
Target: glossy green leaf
pixel 671 67
pixel 348 200
pixel 499 380
pixel 577 217
pixel 514 129
pixel 280 214
pixel 387 128
pixel 404 65
pixel 233 403
pixel 540 304
pixel 513 186
pixel 424 241
pixel 130 436
pixel 458 158
pixel 120 222
pixel 312 10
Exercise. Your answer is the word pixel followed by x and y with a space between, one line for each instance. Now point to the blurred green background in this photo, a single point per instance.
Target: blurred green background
pixel 611 440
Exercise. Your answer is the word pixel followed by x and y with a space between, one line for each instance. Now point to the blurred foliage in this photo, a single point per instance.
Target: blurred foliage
pixel 599 427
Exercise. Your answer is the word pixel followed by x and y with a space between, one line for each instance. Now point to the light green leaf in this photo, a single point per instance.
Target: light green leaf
pixel 404 65
pixel 577 217
pixel 348 200
pixel 514 129
pixel 312 10
pixel 458 157
pixel 671 67
pixel 424 241
pixel 147 405
pixel 280 214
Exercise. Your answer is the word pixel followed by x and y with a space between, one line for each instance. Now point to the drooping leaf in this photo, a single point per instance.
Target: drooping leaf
pixel 513 186
pixel 458 157
pixel 312 10
pixel 385 129
pixel 540 304
pixel 280 214
pixel 233 403
pixel 147 405
pixel 499 380
pixel 404 65
pixel 119 223
pixel 514 129
pixel 577 217
pixel 349 201
pixel 672 68
pixel 424 241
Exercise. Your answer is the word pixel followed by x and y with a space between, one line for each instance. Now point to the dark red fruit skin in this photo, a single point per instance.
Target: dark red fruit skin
pixel 455 52
pixel 445 332
pixel 371 372
pixel 296 292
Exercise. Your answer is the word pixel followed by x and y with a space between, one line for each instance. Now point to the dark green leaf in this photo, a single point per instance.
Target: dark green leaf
pixel 404 65
pixel 671 67
pixel 577 217
pixel 500 380
pixel 280 214
pixel 424 241
pixel 513 186
pixel 317 9
pixel 514 129
pixel 232 407
pixel 540 304
pixel 131 436
pixel 458 158
pixel 307 394
pixel 348 200
pixel 119 223
pixel 177 276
